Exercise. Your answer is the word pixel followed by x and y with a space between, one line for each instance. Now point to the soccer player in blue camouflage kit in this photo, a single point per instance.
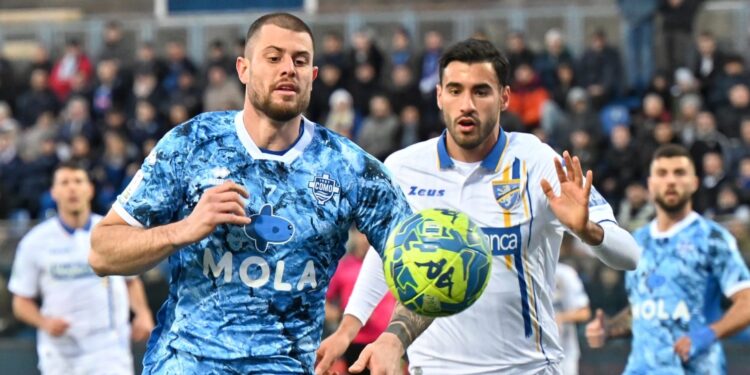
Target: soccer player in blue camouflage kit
pixel 252 209
pixel 686 262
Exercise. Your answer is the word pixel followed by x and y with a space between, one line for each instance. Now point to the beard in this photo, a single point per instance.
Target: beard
pixel 675 207
pixel 280 112
pixel 475 139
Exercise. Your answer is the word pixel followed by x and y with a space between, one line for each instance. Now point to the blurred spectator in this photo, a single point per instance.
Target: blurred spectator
pixel 707 139
pixel 529 96
pixel 555 53
pixel 733 72
pixel 728 205
pixel 221 93
pixel 401 53
pixel 660 85
pixel 110 90
pixel 81 153
pixel 600 70
pixel 145 125
pixel 217 56
pixel 379 129
pixel 342 116
pixel 663 133
pixel 743 180
pixel 635 210
pixel 39 60
pixel 329 80
pixel 178 114
pixel 7 81
pixel 188 93
pixel 11 169
pixel 687 114
pixel 566 81
pixel 714 176
pixel 618 167
pixel 730 117
pixel 579 117
pixel 37 100
pixel 146 87
pixel 684 84
pixel 333 54
pixel 36 179
pixel 409 127
pixel 32 138
pixel 402 90
pixel 639 34
pixel 114 47
pixel 708 60
pixel 365 51
pixel 363 87
pixel 114 120
pixel 654 112
pixel 76 121
pixel 428 74
pixel 177 64
pixel 110 172
pixel 517 51
pixel 147 62
pixel 678 17
pixel 73 62
pixel 740 148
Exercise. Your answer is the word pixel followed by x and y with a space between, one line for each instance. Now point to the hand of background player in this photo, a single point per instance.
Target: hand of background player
pixel 331 349
pixel 571 207
pixel 141 327
pixel 596 331
pixel 221 204
pixel 695 343
pixel 382 357
pixel 56 327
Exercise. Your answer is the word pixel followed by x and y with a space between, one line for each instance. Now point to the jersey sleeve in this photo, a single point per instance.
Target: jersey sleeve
pixel 152 197
pixel 727 264
pixel 380 205
pixel 25 274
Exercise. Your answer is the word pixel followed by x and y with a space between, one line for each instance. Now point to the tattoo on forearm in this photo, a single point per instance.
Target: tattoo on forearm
pixel 621 324
pixel 407 325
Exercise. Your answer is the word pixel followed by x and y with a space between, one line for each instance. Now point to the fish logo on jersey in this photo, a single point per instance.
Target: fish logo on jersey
pixel 267 228
pixel 507 193
pixel 324 188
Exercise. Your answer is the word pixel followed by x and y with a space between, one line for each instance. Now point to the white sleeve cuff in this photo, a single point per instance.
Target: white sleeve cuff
pixel 125 215
pixel 369 289
pixel 618 248
pixel 736 288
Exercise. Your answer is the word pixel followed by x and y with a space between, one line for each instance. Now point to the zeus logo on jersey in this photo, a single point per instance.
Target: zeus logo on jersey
pixel 503 241
pixel 255 272
pixel 657 309
pixel 421 192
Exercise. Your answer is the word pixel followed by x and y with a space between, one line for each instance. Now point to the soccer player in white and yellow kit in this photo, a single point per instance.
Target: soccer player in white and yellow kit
pixel 515 188
pixel 83 321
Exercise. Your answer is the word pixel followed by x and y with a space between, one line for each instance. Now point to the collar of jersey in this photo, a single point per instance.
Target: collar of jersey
pixel 71 230
pixel 286 157
pixel 682 224
pixel 490 162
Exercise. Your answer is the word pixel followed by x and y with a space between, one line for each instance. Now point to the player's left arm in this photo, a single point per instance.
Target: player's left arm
pixel 734 278
pixel 143 321
pixel 612 244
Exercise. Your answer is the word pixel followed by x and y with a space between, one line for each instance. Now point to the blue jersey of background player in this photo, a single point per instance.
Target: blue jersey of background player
pixel 686 263
pixel 253 210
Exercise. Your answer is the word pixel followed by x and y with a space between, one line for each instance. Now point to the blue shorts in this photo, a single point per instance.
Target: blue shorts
pixel 179 362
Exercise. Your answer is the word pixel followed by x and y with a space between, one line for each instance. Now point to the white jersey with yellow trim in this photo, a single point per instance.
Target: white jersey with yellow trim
pixel 511 329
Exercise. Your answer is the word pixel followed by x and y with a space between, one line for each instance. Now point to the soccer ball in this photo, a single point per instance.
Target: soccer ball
pixel 437 262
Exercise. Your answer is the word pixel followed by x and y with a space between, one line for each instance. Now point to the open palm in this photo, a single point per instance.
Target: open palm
pixel 571 207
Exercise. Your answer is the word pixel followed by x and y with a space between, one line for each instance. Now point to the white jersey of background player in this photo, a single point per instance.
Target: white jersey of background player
pixel 83 321
pixel 571 306
pixel 496 178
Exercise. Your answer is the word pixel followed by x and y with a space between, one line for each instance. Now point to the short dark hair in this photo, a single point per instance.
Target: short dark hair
pixel 283 20
pixel 477 51
pixel 672 151
pixel 72 165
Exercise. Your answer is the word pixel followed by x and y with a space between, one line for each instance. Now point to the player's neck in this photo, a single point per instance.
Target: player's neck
pixel 666 220
pixel 269 134
pixel 75 219
pixel 471 155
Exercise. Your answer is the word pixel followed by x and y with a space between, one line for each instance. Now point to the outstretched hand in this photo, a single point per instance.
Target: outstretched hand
pixel 571 207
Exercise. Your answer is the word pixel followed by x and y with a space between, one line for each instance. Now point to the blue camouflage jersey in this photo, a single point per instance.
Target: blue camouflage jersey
pixel 255 295
pixel 676 288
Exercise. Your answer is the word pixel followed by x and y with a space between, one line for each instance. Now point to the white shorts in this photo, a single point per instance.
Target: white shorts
pixel 107 361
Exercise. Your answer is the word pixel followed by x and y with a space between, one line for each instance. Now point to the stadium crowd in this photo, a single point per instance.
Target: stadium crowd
pixel 108 111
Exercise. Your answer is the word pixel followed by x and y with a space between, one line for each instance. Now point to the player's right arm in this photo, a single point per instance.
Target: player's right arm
pixel 120 248
pixel 27 310
pixel 599 330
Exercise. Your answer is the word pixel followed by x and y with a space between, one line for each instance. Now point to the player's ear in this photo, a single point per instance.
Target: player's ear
pixel 315 72
pixel 504 97
pixel 439 91
pixel 243 69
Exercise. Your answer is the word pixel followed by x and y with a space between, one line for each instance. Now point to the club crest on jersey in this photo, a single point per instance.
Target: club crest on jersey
pixel 324 188
pixel 507 193
pixel 266 228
